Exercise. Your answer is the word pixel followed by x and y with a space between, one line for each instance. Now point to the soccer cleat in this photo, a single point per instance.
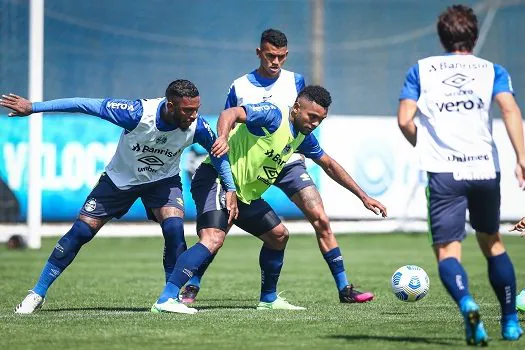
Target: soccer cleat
pixel 520 301
pixel 349 295
pixel 172 305
pixel 510 327
pixel 188 295
pixel 475 332
pixel 31 303
pixel 278 304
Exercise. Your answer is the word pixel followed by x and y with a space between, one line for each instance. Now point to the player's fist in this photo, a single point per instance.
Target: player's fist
pixel 19 105
pixel 519 226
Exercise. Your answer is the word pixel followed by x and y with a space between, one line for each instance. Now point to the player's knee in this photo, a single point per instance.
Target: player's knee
pixel 322 225
pixel 69 245
pixel 280 237
pixel 212 238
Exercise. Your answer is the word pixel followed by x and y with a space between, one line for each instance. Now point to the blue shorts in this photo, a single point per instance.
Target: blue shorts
pixel 448 199
pixel 209 195
pixel 108 201
pixel 293 178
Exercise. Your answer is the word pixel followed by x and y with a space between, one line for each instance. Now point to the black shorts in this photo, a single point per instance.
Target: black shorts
pixel 209 195
pixel 293 178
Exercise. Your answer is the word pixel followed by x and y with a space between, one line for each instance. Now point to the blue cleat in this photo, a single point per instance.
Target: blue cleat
pixel 510 327
pixel 475 332
pixel 520 301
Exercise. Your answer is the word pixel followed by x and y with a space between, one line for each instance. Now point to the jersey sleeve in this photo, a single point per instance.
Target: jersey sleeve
pixel 231 99
pixel 123 113
pixel 205 137
pixel 262 115
pixel 310 147
pixel 502 81
pixel 412 86
pixel 299 82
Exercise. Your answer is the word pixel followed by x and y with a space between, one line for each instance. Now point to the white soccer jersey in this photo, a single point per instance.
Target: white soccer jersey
pixel 146 154
pixel 251 88
pixel 455 131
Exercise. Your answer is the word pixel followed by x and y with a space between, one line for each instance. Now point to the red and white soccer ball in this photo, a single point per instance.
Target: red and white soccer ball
pixel 410 283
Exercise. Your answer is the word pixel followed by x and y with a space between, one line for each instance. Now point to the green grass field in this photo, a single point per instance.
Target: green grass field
pixel 103 299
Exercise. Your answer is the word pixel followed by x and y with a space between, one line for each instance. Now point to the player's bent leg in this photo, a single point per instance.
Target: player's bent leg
pixel 172 224
pixel 455 280
pixel 309 201
pixel 503 281
pixel 211 240
pixel 271 260
pixel 65 251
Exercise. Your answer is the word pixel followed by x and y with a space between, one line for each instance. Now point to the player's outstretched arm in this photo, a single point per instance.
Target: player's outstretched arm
pixel 405 119
pixel 227 120
pixel 339 175
pixel 20 106
pixel 519 226
pixel 511 115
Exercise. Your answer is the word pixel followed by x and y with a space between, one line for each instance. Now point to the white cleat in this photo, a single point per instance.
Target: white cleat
pixel 173 305
pixel 31 303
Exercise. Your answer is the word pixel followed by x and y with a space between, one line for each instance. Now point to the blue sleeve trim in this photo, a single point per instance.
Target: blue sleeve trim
pixel 231 100
pixel 262 115
pixel 299 82
pixel 502 81
pixel 412 85
pixel 73 105
pixel 205 137
pixel 310 147
pixel 123 113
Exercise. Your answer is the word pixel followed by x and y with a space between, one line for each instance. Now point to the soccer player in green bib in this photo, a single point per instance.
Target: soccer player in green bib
pixel 265 137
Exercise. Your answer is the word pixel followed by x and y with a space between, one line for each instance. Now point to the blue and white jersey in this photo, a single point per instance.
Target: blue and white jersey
pixel 454 94
pixel 252 88
pixel 149 149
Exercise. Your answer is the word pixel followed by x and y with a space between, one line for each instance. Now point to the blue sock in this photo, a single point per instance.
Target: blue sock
pixel 503 281
pixel 63 255
pixel 49 274
pixel 454 278
pixel 195 280
pixel 187 263
pixel 271 262
pixel 174 243
pixel 334 259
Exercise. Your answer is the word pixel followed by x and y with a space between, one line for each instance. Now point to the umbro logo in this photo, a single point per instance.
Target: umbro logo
pixel 458 80
pixel 270 172
pixel 151 160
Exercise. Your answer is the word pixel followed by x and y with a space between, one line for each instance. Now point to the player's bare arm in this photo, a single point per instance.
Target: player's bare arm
pixel 511 115
pixel 519 226
pixel 227 120
pixel 22 107
pixel 405 119
pixel 339 175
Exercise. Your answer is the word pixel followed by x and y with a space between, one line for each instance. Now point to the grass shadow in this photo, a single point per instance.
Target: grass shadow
pixel 420 340
pixel 102 308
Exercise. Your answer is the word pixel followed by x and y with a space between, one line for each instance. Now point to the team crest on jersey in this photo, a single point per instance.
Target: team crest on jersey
pixel 161 140
pixel 287 149
pixel 90 205
pixel 458 80
pixel 266 98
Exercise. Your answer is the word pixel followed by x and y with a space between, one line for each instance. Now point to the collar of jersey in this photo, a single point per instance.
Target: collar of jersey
pixel 260 81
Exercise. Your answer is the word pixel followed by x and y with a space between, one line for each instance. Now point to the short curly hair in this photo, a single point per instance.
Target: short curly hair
pixel 317 94
pixel 181 88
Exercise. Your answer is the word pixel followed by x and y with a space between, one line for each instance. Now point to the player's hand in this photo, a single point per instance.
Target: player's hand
pixel 220 147
pixel 520 226
pixel 21 106
pixel 375 206
pixel 231 206
pixel 520 174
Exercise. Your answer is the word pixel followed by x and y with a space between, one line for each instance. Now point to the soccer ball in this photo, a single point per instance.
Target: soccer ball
pixel 410 283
